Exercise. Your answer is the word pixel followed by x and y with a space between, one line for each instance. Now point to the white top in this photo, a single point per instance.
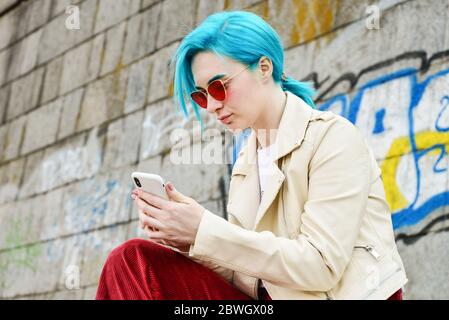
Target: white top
pixel 264 160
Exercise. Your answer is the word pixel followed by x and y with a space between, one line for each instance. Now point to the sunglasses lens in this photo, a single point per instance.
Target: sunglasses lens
pixel 200 98
pixel 217 90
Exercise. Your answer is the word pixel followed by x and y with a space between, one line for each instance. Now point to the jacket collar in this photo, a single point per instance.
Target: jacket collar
pixel 246 204
pixel 291 131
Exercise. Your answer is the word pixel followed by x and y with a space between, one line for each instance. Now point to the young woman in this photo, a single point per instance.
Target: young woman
pixel 307 212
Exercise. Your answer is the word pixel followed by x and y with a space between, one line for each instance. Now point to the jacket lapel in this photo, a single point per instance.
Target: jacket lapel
pixel 274 183
pixel 244 200
pixel 245 203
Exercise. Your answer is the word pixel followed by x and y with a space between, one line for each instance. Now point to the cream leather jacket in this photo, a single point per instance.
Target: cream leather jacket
pixel 322 229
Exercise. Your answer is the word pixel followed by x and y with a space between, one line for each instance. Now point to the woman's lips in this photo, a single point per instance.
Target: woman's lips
pixel 226 119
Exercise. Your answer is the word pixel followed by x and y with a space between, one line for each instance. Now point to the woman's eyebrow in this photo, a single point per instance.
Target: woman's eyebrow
pixel 218 76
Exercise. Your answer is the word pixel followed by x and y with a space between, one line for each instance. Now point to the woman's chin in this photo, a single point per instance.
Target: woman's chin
pixel 235 127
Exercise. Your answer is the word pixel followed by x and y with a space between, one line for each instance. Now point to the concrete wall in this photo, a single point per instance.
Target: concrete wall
pixel 81 109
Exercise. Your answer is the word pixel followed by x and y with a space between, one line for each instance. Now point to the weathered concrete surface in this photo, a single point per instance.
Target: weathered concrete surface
pixel 80 110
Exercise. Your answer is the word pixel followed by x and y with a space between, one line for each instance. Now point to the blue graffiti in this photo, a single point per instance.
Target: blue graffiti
pixel 98 201
pixel 379 125
pixel 349 108
pixel 445 103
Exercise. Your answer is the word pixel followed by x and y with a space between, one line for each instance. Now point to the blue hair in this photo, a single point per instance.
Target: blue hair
pixel 223 33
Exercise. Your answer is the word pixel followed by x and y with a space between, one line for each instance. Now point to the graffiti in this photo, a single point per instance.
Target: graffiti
pixel 23 259
pixel 61 165
pixel 404 116
pixel 88 207
pixel 162 122
pixel 417 130
pixel 71 162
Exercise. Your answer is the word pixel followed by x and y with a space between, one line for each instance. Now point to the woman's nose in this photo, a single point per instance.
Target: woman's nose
pixel 213 105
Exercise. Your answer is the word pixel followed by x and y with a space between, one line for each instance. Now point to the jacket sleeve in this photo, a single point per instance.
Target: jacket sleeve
pixel 225 273
pixel 339 180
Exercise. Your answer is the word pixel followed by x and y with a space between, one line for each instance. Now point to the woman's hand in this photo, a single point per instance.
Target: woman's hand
pixel 174 223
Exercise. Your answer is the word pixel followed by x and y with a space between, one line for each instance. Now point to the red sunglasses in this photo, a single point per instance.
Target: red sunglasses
pixel 216 89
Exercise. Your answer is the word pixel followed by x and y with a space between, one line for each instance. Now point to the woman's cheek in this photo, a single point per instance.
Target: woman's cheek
pixel 233 96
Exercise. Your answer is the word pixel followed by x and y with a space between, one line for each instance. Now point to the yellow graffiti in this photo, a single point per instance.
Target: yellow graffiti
pixel 389 166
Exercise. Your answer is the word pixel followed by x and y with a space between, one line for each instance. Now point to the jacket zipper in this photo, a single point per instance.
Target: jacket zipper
pixel 371 250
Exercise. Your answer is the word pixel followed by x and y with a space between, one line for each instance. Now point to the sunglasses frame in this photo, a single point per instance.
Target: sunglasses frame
pixel 223 82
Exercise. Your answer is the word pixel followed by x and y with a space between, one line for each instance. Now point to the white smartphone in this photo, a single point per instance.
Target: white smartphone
pixel 151 183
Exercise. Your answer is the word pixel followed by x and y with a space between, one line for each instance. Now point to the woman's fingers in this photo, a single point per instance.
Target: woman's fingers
pixel 143 226
pixel 153 199
pixel 149 221
pixel 148 229
pixel 156 236
pixel 148 209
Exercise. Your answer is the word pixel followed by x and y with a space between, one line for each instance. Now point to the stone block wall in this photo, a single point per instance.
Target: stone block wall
pixel 81 109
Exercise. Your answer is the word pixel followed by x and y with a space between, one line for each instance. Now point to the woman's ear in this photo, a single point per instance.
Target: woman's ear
pixel 265 68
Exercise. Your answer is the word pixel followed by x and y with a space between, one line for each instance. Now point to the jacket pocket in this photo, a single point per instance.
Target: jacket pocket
pixel 367 271
pixel 375 267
